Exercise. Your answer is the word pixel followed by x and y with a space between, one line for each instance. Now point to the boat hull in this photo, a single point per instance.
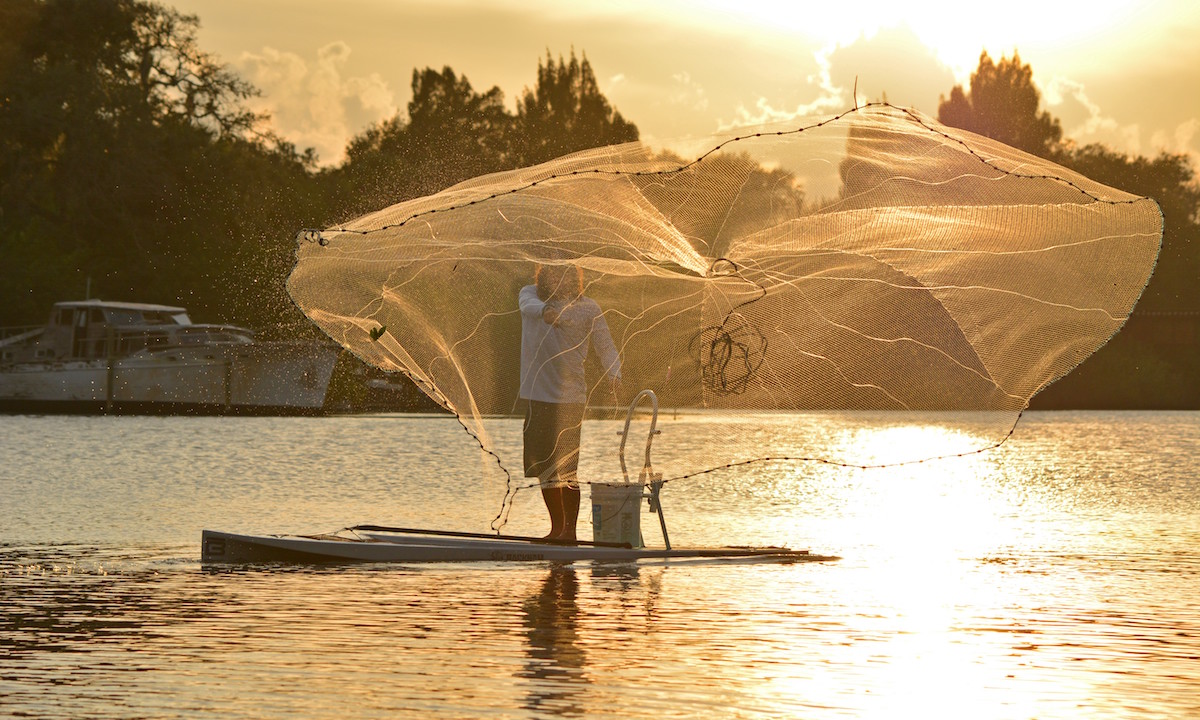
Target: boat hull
pixel 230 548
pixel 258 379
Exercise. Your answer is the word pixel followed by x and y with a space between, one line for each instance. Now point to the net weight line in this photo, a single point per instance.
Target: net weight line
pixel 317 235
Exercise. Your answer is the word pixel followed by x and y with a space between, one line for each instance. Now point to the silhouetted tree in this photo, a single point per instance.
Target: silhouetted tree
pixel 128 157
pixel 566 112
pixel 452 133
pixel 459 133
pixel 1138 368
pixel 1002 103
pixel 1171 180
pixel 1150 363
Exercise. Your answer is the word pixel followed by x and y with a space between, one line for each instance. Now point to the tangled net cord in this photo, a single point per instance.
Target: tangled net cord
pixel 732 357
pixel 731 352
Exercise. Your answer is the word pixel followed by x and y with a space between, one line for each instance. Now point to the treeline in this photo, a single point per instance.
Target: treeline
pixel 128 162
pixel 1155 360
pixel 130 167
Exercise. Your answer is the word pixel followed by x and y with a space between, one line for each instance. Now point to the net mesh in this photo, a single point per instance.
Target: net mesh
pixel 874 266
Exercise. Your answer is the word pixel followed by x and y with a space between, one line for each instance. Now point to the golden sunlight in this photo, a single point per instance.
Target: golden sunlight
pixel 952 33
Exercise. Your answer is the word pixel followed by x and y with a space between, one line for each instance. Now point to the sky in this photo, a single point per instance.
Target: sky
pixel 1124 73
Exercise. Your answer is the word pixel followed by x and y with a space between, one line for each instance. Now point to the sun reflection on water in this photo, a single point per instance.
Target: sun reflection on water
pixel 1052 577
pixel 934 637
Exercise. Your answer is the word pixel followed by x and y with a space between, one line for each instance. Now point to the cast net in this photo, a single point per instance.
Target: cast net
pixel 790 293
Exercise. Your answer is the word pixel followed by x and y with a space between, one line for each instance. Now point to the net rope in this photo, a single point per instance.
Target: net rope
pixel 792 294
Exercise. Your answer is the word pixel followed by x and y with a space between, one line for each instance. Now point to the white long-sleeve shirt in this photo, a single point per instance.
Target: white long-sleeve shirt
pixel 552 356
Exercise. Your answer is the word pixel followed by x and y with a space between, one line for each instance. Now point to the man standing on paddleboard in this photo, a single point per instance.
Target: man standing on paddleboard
pixel 558 326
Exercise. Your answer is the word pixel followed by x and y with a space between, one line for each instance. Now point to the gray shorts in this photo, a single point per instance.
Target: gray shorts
pixel 551 439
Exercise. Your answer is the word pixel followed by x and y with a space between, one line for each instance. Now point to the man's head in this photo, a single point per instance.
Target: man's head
pixel 562 283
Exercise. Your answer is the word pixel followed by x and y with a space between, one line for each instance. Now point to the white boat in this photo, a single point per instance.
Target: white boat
pixel 95 356
pixel 399 545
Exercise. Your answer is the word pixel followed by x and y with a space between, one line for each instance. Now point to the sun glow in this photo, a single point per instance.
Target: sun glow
pixel 922 529
pixel 926 526
pixel 934 510
pixel 954 35
pixel 882 440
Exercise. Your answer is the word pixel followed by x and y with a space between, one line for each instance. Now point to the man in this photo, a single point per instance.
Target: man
pixel 558 326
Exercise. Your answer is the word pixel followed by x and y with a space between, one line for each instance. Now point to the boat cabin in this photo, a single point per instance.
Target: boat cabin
pixel 96 329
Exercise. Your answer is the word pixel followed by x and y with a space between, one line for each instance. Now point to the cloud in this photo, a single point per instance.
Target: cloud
pixel 891 64
pixel 764 113
pixel 311 103
pixel 829 98
pixel 1083 120
pixel 687 93
pixel 1184 139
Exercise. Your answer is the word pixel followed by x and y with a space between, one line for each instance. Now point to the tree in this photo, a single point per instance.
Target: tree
pixel 566 112
pixel 1002 104
pixel 455 133
pixel 171 79
pixel 452 133
pixel 1139 367
pixel 128 158
pixel 1170 179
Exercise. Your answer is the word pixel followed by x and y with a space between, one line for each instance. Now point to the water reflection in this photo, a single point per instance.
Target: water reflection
pixel 1052 578
pixel 54 600
pixel 556 660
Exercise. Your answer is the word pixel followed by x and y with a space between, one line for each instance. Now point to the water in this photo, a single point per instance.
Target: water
pixel 1053 578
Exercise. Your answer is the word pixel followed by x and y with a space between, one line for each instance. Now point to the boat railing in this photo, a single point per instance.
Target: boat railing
pixel 19 333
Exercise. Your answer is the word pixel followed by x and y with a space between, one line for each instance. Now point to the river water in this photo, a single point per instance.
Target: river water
pixel 1054 577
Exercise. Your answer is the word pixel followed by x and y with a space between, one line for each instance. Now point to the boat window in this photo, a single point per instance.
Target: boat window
pixel 155 318
pixel 119 316
pixel 62 317
pixel 95 315
pixel 181 319
pixel 131 343
pixel 134 342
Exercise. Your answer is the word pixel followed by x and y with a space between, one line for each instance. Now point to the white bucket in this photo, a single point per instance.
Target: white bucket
pixel 617 514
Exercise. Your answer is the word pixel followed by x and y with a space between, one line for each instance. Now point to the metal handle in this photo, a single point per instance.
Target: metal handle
pixel 647 476
pixel 649 437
